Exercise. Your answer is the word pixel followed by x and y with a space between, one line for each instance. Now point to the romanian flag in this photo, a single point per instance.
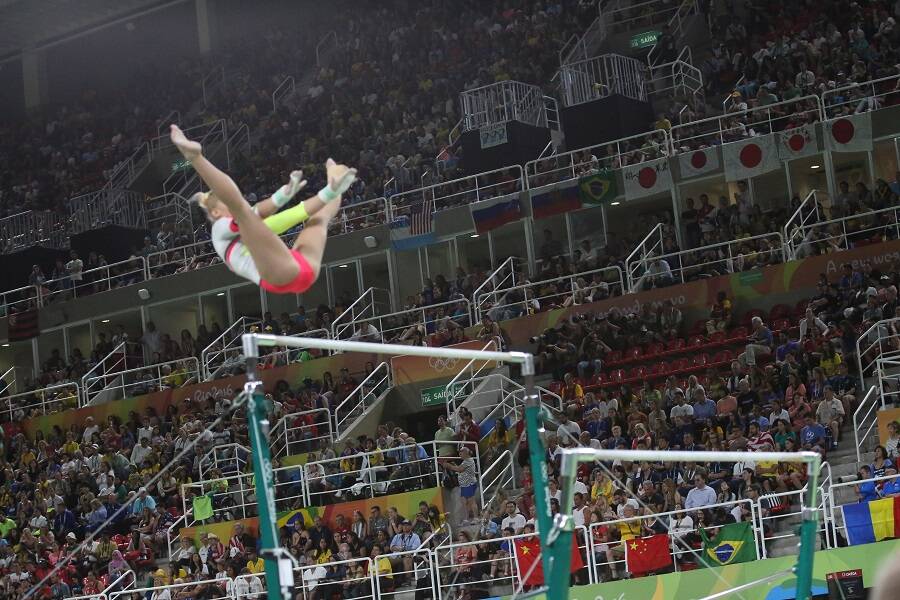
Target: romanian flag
pixel 555 202
pixel 643 555
pixel 872 521
pixel 496 212
pixel 528 559
pixel 734 543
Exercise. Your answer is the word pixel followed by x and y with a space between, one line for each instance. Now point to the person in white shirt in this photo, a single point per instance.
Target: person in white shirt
pixel 366 332
pixel 567 429
pixel 90 428
pixel 513 519
pixel 680 524
pixel 811 324
pixel 778 413
pixel 701 494
pixel 140 452
pixel 681 409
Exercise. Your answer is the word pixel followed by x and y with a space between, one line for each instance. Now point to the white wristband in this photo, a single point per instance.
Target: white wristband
pixel 280 198
pixel 326 194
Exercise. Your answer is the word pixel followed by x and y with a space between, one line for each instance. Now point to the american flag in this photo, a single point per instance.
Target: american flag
pixel 421 218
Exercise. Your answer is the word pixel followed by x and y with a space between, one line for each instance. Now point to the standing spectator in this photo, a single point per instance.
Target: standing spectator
pixel 468 481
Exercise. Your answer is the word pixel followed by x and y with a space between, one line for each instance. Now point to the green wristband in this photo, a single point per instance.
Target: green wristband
pixel 326 194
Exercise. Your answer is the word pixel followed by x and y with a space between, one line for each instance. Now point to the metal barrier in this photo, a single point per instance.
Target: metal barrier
pixel 836 515
pixel 42 401
pixel 274 357
pixel 465 377
pixel 364 307
pixel 865 417
pixel 532 297
pixel 174 117
pixel 677 25
pixel 301 432
pixel 33 228
pixel 238 143
pixel 578 47
pixel 649 247
pixel 400 326
pixel 108 206
pixel 169 208
pixel 677 78
pixel 15 379
pixel 330 36
pixel 770 529
pixel 880 340
pixel 856 98
pixel 182 259
pixel 19 299
pixel 227 459
pixel 601 76
pixel 286 88
pixel 351 579
pixel 757 120
pixel 93 281
pixel 844 233
pixel 640 14
pixel 212 80
pixel 744 254
pixel 809 212
pixel 501 102
pixel 185 181
pixel 124 174
pixel 362 398
pixel 459 192
pixel 497 479
pixel 631 150
pixel 503 277
pixel 356 216
pixel 116 361
pixel 172 588
pixel 138 381
pixel 223 351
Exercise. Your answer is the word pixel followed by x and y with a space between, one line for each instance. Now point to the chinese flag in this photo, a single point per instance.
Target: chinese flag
pixel 528 552
pixel 643 555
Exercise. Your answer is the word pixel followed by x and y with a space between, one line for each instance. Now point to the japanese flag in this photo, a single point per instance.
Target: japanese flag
pixel 694 163
pixel 849 134
pixel 798 142
pixel 647 179
pixel 750 157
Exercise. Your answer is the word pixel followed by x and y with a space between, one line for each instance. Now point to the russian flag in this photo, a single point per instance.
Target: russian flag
pixel 872 521
pixel 496 212
pixel 554 202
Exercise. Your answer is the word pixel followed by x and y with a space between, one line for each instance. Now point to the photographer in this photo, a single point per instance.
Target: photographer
pixel 590 355
pixel 554 350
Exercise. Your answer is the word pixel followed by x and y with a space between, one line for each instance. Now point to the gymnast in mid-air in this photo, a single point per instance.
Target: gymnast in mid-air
pixel 246 238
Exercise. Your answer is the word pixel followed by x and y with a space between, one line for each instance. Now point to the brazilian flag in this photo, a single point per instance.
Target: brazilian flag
pixel 599 188
pixel 733 544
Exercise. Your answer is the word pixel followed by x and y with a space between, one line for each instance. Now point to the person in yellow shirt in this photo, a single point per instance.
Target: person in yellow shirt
pixel 254 563
pixel 383 568
pixel 602 486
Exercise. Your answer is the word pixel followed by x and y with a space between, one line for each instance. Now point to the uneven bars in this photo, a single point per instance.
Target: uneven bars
pixel 569 455
pixel 251 343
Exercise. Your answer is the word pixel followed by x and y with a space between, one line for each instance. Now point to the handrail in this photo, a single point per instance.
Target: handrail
pixel 107 380
pixel 790 226
pixel 456 384
pixel 166 120
pixel 231 453
pixel 841 240
pixel 433 534
pixel 389 329
pixel 89 285
pixel 863 103
pixel 726 107
pixel 834 488
pixel 169 586
pixel 290 86
pixel 862 418
pixel 642 251
pixel 403 200
pixel 351 311
pixel 12 410
pixel 508 264
pixel 287 356
pixel 500 480
pixel 328 35
pixel 503 309
pixel 212 351
pixel 118 364
pixel 876 330
pixel 220 70
pixel 790 532
pixel 366 389
pixel 115 582
pixel 282 434
pixel 733 262
pixel 234 145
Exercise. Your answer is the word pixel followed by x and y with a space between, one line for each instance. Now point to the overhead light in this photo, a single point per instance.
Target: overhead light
pixel 343 266
pixel 816 167
pixel 474 235
pixel 220 294
pixel 6 345
pixel 105 321
pixel 616 203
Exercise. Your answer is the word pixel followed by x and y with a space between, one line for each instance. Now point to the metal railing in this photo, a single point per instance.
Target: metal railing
pixel 601 76
pixel 368 305
pixel 33 228
pixel 168 208
pixel 124 174
pixel 809 212
pixel 226 348
pixel 578 47
pixel 238 143
pixel 186 181
pixel 496 480
pixel 631 150
pixel 172 588
pixel 228 459
pixel 362 398
pixel 503 277
pixel 463 384
pixel 856 98
pixel 174 117
pixel 42 401
pixel 677 25
pixel 770 526
pixel 356 216
pixel 568 290
pixel 502 102
pixel 116 361
pixel 285 89
pixel 734 256
pixel 301 432
pixel 738 125
pixel 880 340
pixel 138 381
pixel 865 418
pixel 459 192
pixel 279 356
pixel 678 78
pixel 93 281
pixel 844 233
pixel 212 80
pixel 400 326
pixel 835 514
pixel 108 206
pixel 330 36
pixel 648 248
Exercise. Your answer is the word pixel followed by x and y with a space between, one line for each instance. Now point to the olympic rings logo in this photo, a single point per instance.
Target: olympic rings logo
pixel 442 364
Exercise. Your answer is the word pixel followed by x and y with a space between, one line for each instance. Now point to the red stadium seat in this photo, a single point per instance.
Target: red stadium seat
pixel 614 357
pixel 780 311
pixel 738 334
pixel 616 376
pixel 679 365
pixel 633 354
pixel 781 325
pixel 696 341
pixel 655 349
pixel 675 346
pixel 748 316
pixel 717 338
pixel 600 379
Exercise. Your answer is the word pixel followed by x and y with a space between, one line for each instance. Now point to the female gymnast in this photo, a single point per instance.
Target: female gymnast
pixel 246 238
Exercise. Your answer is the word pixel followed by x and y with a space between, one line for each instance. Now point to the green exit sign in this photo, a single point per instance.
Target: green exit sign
pixel 643 40
pixel 434 396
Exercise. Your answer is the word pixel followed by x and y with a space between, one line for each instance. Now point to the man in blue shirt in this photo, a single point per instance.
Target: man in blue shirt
pixel 758 344
pixel 704 407
pixel 785 345
pixel 64 522
pixel 812 436
pixel 866 490
pixel 406 541
pixel 891 488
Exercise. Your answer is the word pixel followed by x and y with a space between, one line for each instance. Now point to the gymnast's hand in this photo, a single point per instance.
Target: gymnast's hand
pixel 340 177
pixel 188 148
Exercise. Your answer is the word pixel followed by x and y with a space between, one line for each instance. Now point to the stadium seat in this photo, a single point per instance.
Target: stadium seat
pixel 780 311
pixel 655 349
pixel 674 346
pixel 754 312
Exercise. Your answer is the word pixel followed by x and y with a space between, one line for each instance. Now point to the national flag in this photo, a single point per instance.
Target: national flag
pixel 698 162
pixel 23 325
pixel 416 229
pixel 872 521
pixel 555 202
pixel 528 560
pixel 599 188
pixel 750 157
pixel 733 544
pixel 643 555
pixel 496 212
pixel 798 142
pixel 647 179
pixel 852 133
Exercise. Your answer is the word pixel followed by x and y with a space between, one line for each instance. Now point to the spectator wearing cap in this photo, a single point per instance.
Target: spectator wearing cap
pixel 406 540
